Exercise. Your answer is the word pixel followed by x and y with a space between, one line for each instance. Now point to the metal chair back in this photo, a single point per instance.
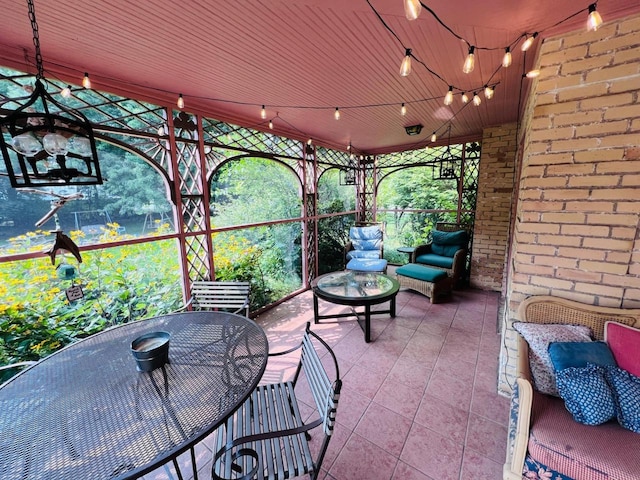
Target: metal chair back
pixel 212 295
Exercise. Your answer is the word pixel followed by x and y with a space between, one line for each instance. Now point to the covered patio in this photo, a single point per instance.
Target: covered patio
pixel 549 141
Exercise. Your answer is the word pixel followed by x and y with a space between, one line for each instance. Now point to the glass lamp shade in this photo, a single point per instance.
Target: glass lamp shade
pixel 81 146
pixel 55 144
pixel 26 144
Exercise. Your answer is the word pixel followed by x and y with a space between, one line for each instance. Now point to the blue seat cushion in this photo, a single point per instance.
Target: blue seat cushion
pixel 365 265
pixel 433 259
pixel 421 272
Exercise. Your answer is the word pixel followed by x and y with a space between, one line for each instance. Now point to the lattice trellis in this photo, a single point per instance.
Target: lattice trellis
pixel 143 129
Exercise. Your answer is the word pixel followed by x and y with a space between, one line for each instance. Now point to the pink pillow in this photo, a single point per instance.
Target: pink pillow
pixel 624 343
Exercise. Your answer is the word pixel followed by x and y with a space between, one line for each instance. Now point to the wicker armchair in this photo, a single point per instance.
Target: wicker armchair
pixel 451 256
pixel 545 309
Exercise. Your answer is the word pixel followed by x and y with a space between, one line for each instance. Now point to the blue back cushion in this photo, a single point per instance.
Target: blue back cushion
pixel 366 238
pixel 448 243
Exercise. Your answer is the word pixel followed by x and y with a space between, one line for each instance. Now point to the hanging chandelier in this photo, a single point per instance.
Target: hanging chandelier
pixel 45 144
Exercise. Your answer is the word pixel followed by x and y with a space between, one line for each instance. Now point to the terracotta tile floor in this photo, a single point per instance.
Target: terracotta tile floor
pixel 419 402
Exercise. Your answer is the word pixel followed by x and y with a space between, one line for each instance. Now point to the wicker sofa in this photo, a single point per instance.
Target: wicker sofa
pixel 544 440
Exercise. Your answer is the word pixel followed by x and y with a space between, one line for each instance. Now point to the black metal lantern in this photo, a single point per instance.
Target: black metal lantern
pixel 44 143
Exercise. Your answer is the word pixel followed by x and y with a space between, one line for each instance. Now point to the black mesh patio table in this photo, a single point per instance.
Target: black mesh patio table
pixel 356 289
pixel 85 412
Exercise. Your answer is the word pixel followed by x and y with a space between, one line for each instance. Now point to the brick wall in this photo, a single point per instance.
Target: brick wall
pixel 493 206
pixel 576 229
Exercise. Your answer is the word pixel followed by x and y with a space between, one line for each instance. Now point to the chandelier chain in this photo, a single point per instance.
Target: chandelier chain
pixel 36 39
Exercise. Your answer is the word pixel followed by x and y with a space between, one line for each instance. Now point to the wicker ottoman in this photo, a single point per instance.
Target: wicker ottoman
pixel 429 281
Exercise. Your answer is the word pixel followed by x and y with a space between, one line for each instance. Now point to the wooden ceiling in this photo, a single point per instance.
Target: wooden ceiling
pixel 301 59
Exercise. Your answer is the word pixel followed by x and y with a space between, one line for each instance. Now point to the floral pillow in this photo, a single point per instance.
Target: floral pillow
pixel 539 336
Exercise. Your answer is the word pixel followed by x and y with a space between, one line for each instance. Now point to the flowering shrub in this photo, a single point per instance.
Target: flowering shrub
pixel 120 284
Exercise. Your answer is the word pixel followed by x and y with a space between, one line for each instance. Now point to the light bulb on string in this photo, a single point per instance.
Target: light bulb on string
pixel 412 9
pixel 271 124
pixel 336 114
pixel 180 101
pixel 66 91
pixel 594 20
pixel 403 110
pixel 465 97
pixel 532 73
pixel 405 67
pixel 434 137
pixel 476 99
pixel 309 142
pixel 263 113
pixel 488 92
pixel 506 60
pixel 528 42
pixel 470 61
pixel 86 83
pixel 448 98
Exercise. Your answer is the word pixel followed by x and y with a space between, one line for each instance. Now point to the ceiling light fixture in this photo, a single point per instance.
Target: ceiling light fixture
pixel 476 99
pixel 66 91
pixel 448 98
pixel 594 20
pixel 465 97
pixel 263 113
pixel 42 142
pixel 506 60
pixel 528 42
pixel 434 137
pixel 405 67
pixel 470 61
pixel 413 129
pixel 412 9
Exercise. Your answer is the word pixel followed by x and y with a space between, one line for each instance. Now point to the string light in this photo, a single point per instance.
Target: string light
pixel 405 67
pixel 506 60
pixel 528 42
pixel 465 97
pixel 594 20
pixel 470 61
pixel 309 142
pixel 271 124
pixel 180 102
pixel 86 83
pixel 448 98
pixel 532 73
pixel 476 99
pixel 488 92
pixel 403 110
pixel 336 114
pixel 412 9
pixel 263 113
pixel 66 91
pixel 433 137
pixel 349 147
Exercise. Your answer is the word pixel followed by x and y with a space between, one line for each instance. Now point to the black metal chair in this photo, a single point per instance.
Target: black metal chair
pixel 213 295
pixel 267 438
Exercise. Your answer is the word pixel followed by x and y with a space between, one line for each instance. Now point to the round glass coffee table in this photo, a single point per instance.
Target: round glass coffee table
pixel 356 289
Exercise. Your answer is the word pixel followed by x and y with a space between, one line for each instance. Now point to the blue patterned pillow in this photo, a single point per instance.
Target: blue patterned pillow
pixel 586 394
pixel 626 389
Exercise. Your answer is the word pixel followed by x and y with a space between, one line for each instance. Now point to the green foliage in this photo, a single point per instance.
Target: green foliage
pixel 120 284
